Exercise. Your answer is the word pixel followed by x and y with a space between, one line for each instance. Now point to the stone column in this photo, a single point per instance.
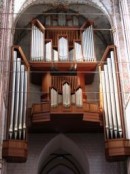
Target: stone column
pixel 5 38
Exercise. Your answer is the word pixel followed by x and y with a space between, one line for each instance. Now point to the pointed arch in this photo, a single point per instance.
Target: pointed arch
pixel 66 144
pixel 99 5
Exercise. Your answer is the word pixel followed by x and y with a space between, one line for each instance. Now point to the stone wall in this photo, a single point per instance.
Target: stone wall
pixel 92 146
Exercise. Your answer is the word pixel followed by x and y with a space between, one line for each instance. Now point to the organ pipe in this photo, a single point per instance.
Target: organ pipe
pixel 54 98
pixel 13 94
pixel 63 49
pixel 116 94
pixel 48 51
pixel 113 104
pixel 21 101
pixel 66 95
pixel 105 103
pixel 25 103
pixel 37 44
pixel 79 98
pixel 18 65
pixel 88 44
pixel 55 55
pixel 78 52
pixel 108 100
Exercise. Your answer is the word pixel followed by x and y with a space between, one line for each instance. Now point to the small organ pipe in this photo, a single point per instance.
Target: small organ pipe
pixel 79 98
pixel 66 95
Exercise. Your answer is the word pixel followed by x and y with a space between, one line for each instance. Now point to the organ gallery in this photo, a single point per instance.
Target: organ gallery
pixel 62 61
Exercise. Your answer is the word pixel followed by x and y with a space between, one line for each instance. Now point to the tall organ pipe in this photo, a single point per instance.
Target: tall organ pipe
pixel 17 97
pixel 36 43
pixel 25 103
pixel 116 94
pixel 21 101
pixel 113 104
pixel 13 94
pixel 93 51
pixel 108 100
pixel 90 44
pixel 105 103
pixel 32 44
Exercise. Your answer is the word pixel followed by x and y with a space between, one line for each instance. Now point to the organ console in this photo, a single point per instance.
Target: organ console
pixel 65 56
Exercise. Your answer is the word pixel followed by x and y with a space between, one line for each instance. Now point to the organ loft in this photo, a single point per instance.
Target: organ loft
pixel 62 61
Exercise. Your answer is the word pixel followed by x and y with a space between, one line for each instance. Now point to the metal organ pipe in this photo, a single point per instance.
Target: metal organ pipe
pixel 78 52
pixel 113 104
pixel 108 100
pixel 116 94
pixel 63 49
pixel 66 95
pixel 105 103
pixel 13 95
pixel 37 45
pixel 32 44
pixel 21 101
pixel 88 44
pixel 25 103
pixel 48 51
pixel 18 67
pixel 79 98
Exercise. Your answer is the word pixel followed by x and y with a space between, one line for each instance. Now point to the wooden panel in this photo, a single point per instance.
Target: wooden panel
pixel 39 118
pixel 41 112
pixel 54 32
pixel 15 150
pixel 117 149
pixel 66 66
pixel 40 107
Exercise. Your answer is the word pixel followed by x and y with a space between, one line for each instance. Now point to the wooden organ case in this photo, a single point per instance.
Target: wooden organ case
pixel 62 58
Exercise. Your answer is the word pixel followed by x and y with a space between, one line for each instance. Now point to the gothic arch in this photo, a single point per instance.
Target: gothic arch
pixel 99 5
pixel 62 142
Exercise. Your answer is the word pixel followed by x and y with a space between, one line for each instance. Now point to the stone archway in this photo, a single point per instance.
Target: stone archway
pixel 99 5
pixel 62 151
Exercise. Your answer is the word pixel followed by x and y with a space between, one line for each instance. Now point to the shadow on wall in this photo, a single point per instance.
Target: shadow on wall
pixel 62 155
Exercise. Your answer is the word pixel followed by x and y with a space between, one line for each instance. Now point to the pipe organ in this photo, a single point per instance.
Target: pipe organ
pixel 63 62
pixel 15 147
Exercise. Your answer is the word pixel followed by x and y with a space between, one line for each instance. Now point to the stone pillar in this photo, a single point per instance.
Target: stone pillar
pixel 5 35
